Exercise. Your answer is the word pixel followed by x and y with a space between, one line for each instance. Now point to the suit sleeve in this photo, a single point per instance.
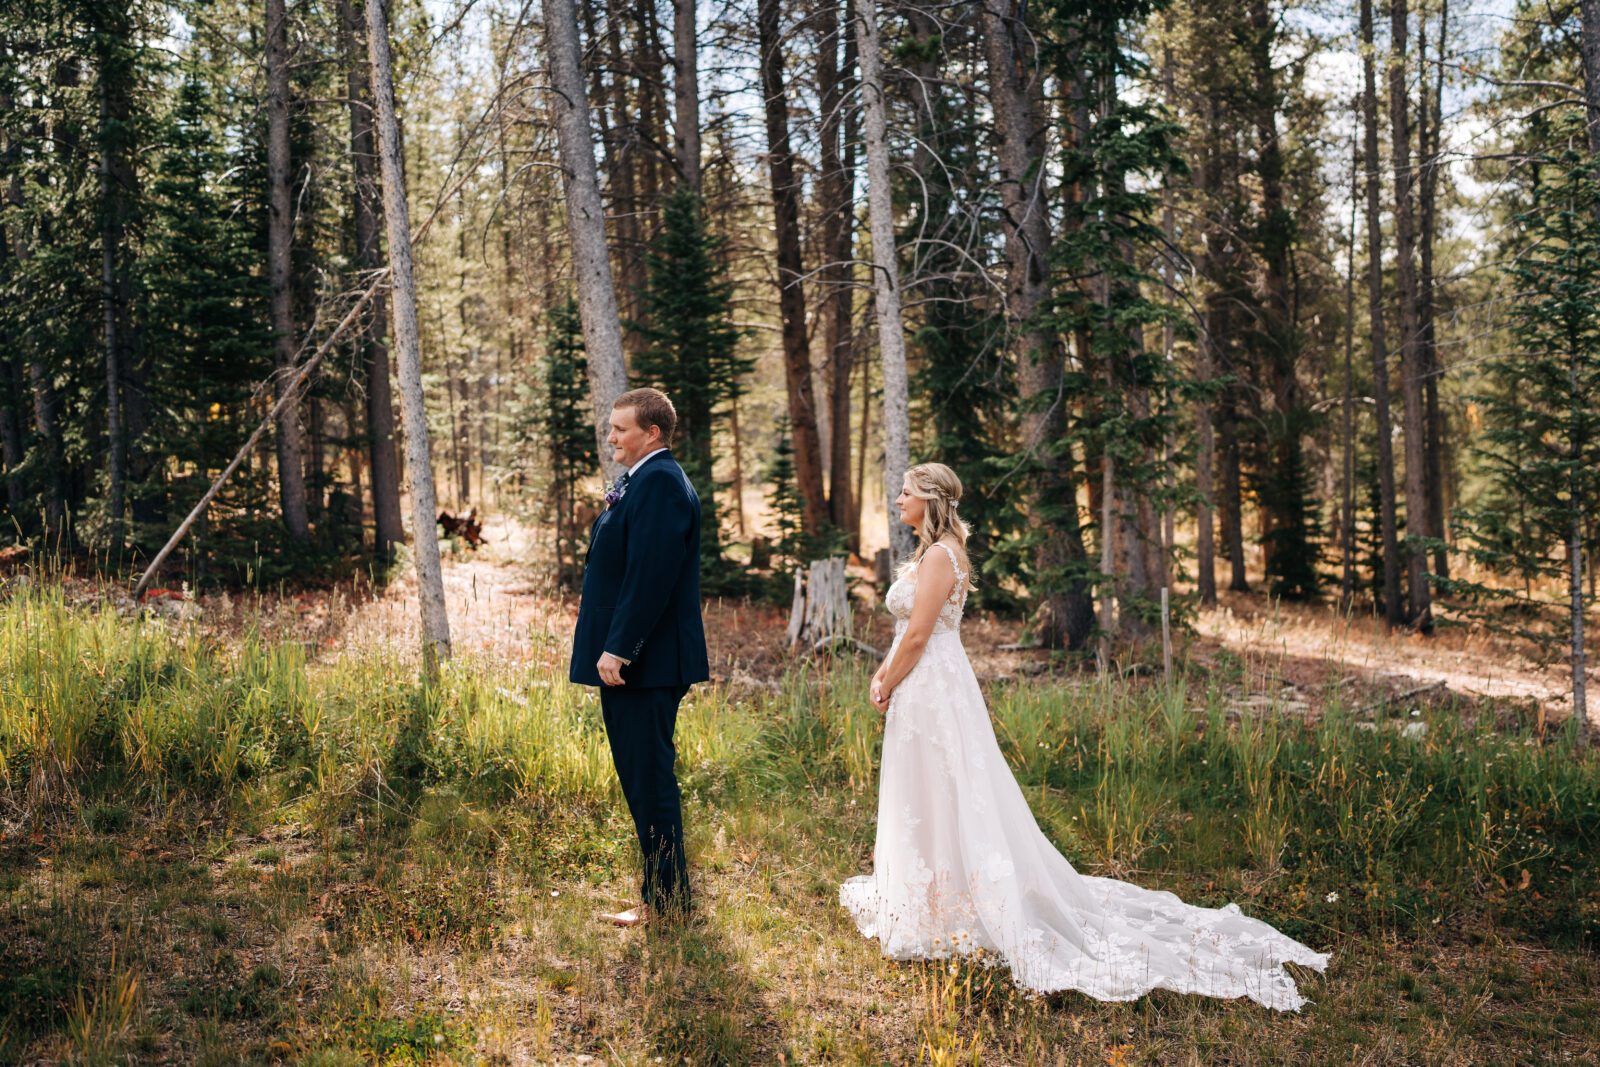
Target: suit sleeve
pixel 654 557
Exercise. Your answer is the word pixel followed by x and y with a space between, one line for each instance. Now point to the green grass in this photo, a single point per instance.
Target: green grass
pixel 226 854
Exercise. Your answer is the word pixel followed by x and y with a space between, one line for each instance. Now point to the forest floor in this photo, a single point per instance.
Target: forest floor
pixel 501 605
pixel 303 921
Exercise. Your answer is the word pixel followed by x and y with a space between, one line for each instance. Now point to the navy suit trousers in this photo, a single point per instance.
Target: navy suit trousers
pixel 639 725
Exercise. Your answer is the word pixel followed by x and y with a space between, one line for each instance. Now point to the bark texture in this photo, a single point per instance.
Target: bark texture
pixel 280 234
pixel 424 505
pixel 886 280
pixel 591 267
pixel 382 458
pixel 791 296
pixel 1065 609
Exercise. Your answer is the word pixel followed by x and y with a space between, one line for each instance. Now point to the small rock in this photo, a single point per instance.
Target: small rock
pixel 1415 729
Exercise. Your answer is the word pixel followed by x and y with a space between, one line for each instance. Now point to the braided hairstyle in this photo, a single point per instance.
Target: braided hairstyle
pixel 939 486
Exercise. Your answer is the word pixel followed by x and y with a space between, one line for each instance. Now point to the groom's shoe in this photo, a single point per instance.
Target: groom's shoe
pixel 632 917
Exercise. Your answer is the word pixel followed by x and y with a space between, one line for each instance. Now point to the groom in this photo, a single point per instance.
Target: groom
pixel 639 635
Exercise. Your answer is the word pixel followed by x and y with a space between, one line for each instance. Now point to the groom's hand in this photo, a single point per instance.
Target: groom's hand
pixel 610 668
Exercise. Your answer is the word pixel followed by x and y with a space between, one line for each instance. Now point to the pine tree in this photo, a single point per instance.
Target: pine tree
pixel 692 346
pixel 1117 147
pixel 568 435
pixel 1542 433
pixel 205 313
pixel 788 510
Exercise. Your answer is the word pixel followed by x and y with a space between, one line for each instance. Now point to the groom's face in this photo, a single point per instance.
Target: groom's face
pixel 629 441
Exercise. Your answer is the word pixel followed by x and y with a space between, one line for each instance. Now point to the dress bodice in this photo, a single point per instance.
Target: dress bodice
pixel 904 592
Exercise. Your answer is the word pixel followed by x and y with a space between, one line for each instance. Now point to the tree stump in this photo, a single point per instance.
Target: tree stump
pixel 821 607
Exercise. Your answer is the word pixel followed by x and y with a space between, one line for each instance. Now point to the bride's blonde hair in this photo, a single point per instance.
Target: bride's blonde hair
pixel 941 488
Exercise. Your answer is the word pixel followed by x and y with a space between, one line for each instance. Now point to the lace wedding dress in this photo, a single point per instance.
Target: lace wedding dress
pixel 962 868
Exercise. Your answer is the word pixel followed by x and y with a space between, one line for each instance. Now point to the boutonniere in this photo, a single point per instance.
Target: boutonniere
pixel 618 490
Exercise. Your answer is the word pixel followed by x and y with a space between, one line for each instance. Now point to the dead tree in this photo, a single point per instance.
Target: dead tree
pixel 419 465
pixel 886 279
pixel 586 226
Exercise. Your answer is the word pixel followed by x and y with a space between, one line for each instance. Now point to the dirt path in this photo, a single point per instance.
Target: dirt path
pixel 1319 639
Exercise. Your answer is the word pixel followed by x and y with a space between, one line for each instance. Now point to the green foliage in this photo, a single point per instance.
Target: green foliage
pixel 563 422
pixel 693 347
pixel 1107 296
pixel 1540 445
pixel 783 497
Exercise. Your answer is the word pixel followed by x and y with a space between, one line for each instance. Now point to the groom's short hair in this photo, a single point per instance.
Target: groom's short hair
pixel 650 408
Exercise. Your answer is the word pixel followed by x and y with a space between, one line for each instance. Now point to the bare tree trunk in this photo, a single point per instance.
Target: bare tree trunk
pixel 1065 612
pixel 113 209
pixel 1394 609
pixel 388 529
pixel 1428 138
pixel 1589 51
pixel 1276 243
pixel 620 137
pixel 1347 466
pixel 886 279
pixel 1580 700
pixel 686 93
pixel 1412 368
pixel 862 436
pixel 791 296
pixel 838 218
pixel 597 300
pixel 424 507
pixel 1205 550
pixel 280 234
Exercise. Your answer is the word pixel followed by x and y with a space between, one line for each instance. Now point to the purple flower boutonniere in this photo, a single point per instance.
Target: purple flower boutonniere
pixel 618 490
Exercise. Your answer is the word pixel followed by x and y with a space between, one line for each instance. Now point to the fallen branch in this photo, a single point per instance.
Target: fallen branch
pixel 290 394
pixel 1407 695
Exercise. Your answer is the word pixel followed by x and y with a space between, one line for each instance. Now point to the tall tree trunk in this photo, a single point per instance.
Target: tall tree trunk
pixel 1205 357
pixel 1276 235
pixel 280 232
pixel 1430 123
pixel 886 278
pixel 424 506
pixel 1412 367
pixel 1347 466
pixel 388 529
pixel 115 182
pixel 1232 495
pixel 597 300
pixel 1065 610
pixel 838 217
pixel 1589 52
pixel 1394 608
pixel 620 136
pixel 686 93
pixel 791 295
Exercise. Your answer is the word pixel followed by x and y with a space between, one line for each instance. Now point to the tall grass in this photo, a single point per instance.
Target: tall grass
pixel 1327 826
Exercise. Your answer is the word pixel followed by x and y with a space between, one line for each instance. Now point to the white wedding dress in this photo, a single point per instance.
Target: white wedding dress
pixel 961 867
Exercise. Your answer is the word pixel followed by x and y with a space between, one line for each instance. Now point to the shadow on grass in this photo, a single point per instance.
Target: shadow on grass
pixel 700 1004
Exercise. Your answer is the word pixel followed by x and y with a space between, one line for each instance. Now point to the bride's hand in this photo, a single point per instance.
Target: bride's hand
pixel 880 699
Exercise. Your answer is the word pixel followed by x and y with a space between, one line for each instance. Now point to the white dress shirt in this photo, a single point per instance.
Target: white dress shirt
pixel 635 468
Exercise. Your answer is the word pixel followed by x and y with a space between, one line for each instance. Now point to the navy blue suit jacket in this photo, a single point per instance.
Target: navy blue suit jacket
pixel 641 584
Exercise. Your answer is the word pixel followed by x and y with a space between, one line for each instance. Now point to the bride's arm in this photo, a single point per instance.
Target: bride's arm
pixel 936 580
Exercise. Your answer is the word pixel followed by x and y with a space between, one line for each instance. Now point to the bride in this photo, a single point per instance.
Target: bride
pixel 962 867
